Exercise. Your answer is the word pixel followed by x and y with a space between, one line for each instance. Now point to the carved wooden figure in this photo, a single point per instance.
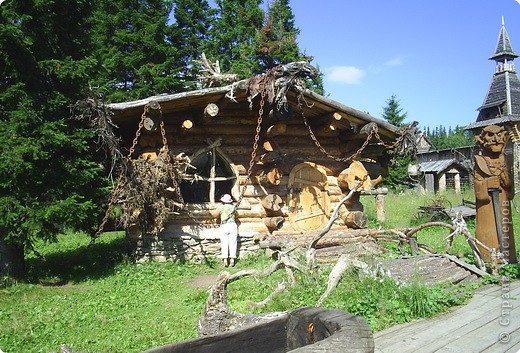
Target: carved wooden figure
pixel 493 191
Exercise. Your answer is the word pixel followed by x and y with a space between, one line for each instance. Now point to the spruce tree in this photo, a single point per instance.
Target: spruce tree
pixel 277 39
pixel 233 37
pixel 397 178
pixel 392 112
pixel 192 21
pixel 48 181
pixel 133 46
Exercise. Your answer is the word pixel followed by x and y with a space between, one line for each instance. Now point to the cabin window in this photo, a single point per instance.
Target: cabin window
pixel 211 177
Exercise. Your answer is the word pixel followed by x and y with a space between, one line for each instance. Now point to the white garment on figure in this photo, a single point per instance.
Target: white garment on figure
pixel 228 240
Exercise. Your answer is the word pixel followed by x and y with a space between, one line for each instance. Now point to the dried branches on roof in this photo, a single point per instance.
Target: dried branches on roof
pixel 277 81
pixel 210 74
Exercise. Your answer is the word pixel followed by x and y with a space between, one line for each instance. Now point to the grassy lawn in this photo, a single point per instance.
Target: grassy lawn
pixel 98 300
pixel 401 209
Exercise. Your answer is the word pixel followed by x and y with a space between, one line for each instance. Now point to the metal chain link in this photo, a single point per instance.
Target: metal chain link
pixel 373 133
pixel 110 207
pixel 324 151
pixel 169 163
pixel 254 151
pixel 138 132
pixel 119 183
pixel 400 139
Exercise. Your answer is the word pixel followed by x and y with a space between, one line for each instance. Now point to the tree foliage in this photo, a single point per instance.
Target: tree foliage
pixel 441 138
pixel 232 37
pixel 48 177
pixel 277 39
pixel 397 178
pixel 134 50
pixel 192 20
pixel 248 41
pixel 393 113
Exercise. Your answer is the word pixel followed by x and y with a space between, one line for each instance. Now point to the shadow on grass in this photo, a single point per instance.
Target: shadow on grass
pixel 79 264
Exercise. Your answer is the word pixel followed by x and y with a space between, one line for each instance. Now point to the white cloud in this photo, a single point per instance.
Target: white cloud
pixel 345 74
pixel 398 61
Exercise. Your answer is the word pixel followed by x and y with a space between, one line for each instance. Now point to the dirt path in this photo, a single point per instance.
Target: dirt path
pixel 203 281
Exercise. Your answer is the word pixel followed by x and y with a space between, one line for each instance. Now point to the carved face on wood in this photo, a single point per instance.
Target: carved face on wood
pixel 492 138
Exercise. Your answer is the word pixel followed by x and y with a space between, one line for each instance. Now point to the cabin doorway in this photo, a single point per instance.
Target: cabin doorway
pixel 308 200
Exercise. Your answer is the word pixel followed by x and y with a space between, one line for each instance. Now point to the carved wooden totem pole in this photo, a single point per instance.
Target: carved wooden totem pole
pixel 493 191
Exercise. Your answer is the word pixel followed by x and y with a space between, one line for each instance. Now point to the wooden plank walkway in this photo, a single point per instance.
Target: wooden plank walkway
pixel 489 323
pixel 430 269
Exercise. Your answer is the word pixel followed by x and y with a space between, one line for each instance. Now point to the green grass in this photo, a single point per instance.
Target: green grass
pixel 401 210
pixel 98 300
pixel 381 301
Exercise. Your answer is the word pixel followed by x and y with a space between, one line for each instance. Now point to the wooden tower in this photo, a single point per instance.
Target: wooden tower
pixel 502 102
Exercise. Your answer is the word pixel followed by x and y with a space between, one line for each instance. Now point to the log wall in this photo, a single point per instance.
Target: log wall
pixel 183 239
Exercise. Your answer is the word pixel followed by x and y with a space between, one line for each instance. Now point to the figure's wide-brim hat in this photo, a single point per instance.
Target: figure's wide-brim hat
pixel 226 198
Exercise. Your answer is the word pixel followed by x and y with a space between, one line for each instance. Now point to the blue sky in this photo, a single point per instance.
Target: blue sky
pixel 433 55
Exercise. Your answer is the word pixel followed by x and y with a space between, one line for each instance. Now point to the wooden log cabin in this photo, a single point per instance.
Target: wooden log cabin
pixel 293 186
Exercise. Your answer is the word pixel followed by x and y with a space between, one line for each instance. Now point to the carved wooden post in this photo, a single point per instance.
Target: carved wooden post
pixel 493 191
pixel 515 138
pixel 380 208
pixel 379 197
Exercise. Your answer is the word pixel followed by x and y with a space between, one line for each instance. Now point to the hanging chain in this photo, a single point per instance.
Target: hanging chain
pixel 119 183
pixel 263 93
pixel 138 132
pixel 110 207
pixel 402 135
pixel 372 133
pixel 324 151
pixel 169 164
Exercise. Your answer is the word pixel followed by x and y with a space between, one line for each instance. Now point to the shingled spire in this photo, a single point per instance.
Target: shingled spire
pixel 504 51
pixel 502 102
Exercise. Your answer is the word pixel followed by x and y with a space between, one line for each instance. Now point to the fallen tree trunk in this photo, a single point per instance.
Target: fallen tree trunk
pixel 218 318
pixel 334 237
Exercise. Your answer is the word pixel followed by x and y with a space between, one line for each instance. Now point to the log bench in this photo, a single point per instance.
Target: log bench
pixel 303 330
